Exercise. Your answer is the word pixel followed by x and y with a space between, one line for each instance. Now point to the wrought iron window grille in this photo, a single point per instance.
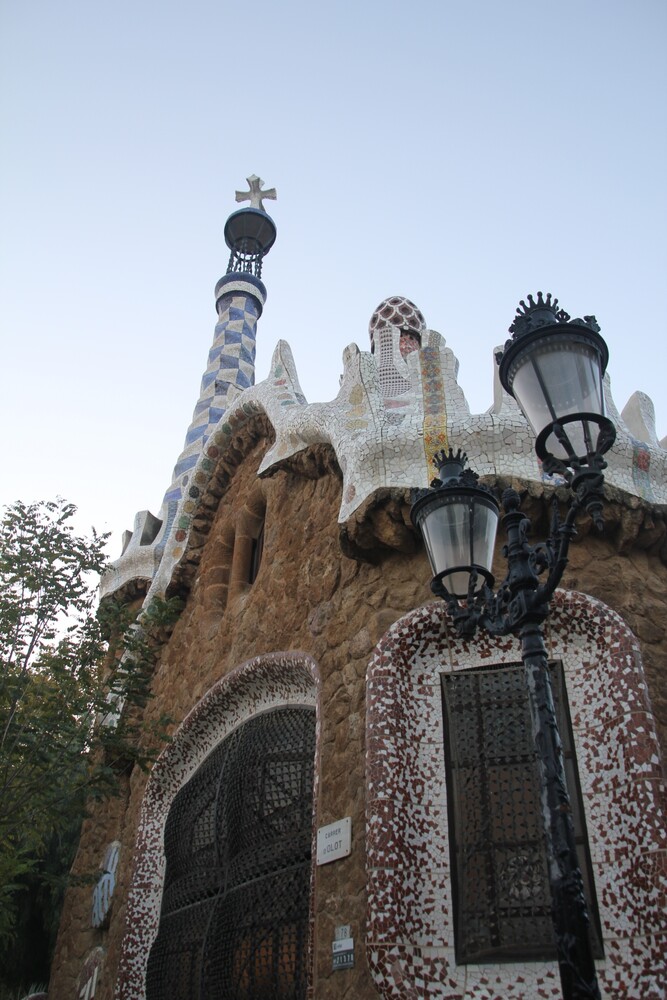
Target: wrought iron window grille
pixel 500 885
pixel 235 910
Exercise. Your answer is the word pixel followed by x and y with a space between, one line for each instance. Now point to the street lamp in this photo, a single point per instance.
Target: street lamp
pixel 458 524
pixel 553 366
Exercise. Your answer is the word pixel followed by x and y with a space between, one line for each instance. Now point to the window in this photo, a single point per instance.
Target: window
pixel 235 909
pixel 502 900
pixel 256 550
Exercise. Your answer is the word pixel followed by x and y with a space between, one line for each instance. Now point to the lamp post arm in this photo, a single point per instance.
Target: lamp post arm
pixel 562 534
pixel 586 494
pixel 483 608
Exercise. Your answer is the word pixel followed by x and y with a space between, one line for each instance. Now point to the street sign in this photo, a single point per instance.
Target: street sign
pixel 334 841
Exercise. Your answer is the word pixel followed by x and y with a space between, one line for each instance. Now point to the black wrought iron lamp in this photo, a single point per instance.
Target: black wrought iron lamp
pixel 553 366
pixel 458 520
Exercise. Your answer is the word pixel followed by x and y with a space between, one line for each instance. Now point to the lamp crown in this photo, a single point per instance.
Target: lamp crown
pixel 452 471
pixel 539 313
pixel 450 466
pixel 443 458
pixel 542 312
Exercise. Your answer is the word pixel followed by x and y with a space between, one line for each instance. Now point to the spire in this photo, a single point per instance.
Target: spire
pixel 239 299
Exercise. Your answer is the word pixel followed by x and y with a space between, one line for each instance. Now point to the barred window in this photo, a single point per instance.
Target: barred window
pixel 501 894
pixel 235 908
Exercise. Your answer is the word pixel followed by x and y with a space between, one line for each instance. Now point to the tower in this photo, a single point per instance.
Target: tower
pixel 240 296
pixel 239 300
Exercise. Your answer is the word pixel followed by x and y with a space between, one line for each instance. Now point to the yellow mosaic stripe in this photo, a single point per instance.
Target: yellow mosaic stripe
pixel 435 409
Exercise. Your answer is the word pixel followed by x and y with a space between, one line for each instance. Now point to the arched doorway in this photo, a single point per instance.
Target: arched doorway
pixel 254 689
pixel 235 905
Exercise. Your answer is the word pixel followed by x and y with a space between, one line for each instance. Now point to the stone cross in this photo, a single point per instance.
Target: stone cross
pixel 255 195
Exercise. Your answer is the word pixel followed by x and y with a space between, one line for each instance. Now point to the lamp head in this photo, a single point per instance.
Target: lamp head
pixel 458 519
pixel 553 366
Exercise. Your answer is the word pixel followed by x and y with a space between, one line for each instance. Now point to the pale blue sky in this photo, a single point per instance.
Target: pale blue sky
pixel 462 154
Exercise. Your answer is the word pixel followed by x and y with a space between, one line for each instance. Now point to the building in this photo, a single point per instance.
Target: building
pixel 347 805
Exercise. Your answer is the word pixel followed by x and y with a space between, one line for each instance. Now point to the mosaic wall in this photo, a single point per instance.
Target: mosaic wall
pixel 393 409
pixel 410 934
pixel 261 684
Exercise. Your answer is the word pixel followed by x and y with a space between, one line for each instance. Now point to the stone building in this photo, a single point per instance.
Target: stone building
pixel 315 826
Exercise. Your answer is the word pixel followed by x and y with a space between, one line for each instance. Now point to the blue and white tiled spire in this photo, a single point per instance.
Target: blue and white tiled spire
pixel 230 369
pixel 240 298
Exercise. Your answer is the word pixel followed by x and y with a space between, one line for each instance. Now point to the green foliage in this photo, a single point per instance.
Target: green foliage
pixel 71 707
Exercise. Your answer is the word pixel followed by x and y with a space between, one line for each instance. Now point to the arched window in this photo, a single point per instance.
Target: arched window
pixel 248 543
pixel 235 909
pixel 256 554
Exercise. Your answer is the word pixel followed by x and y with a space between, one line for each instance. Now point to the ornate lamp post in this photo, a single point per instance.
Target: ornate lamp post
pixel 553 366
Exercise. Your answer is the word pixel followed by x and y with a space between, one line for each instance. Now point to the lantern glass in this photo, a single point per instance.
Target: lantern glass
pixel 459 530
pixel 555 379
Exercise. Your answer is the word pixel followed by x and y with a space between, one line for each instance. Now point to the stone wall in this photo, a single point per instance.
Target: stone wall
pixel 106 822
pixel 311 597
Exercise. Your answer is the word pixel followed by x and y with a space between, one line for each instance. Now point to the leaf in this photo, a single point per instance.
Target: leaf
pixel 60 670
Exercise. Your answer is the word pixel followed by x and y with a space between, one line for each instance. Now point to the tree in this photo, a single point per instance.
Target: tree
pixel 60 745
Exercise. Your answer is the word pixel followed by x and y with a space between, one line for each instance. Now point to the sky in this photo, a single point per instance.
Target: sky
pixel 460 153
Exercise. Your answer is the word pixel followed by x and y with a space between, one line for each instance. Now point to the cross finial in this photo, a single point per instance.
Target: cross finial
pixel 255 195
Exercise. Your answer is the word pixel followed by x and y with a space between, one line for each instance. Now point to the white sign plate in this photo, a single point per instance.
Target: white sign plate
pixel 347 944
pixel 334 841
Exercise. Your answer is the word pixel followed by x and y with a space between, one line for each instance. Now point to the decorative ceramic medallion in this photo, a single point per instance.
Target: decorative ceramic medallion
pixel 106 884
pixel 89 980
